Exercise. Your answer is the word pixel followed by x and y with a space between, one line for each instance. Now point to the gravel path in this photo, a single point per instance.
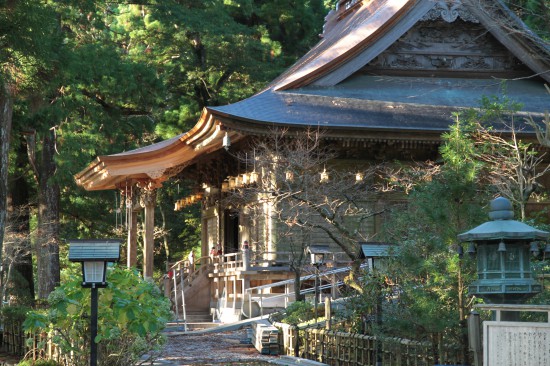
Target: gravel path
pixel 223 348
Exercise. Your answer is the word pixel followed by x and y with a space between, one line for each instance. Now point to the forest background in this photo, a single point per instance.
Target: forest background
pixel 82 78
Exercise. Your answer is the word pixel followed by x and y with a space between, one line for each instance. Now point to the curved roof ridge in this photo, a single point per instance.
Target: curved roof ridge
pixel 343 41
pixel 154 162
pixel 372 27
pixel 153 147
pixel 513 33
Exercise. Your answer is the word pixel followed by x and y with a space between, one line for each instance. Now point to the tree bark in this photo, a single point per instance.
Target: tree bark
pixel 6 114
pixel 48 220
pixel 19 201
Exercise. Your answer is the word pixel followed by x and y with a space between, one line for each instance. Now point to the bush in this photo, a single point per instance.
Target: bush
pixel 298 312
pixel 14 314
pixel 132 314
pixel 38 363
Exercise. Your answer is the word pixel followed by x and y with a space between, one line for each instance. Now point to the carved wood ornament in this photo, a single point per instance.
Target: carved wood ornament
pixel 447 38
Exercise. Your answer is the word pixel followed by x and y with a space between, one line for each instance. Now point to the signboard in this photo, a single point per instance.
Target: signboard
pixel 516 343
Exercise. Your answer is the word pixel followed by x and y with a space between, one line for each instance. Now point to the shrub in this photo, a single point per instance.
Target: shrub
pixel 298 312
pixel 132 313
pixel 40 362
pixel 14 314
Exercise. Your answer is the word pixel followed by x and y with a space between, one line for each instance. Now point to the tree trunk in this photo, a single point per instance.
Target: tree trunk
pixel 165 239
pixel 19 204
pixel 48 221
pixel 6 114
pixel 298 285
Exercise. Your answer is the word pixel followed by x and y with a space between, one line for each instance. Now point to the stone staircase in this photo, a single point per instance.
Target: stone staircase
pixel 196 319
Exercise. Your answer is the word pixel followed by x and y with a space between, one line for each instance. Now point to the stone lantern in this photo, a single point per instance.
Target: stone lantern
pixel 503 247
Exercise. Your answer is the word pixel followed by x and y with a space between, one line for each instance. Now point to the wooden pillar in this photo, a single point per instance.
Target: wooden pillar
pixel 234 292
pixel 148 198
pixel 131 260
pixel 226 287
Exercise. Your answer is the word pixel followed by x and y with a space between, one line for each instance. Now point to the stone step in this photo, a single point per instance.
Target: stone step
pixel 199 318
pixel 181 327
pixel 195 319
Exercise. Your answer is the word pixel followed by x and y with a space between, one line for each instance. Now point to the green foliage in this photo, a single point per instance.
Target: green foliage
pixel 297 313
pixel 535 13
pixel 14 314
pixel 459 150
pixel 430 274
pixel 363 308
pixel 132 314
pixel 39 362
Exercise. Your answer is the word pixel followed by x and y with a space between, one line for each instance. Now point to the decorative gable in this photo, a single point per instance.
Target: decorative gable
pixel 447 47
pixel 447 38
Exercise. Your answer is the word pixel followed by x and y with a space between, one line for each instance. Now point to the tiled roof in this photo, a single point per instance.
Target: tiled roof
pixel 388 103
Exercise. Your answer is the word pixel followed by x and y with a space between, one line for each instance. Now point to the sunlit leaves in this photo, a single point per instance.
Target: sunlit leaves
pixel 130 309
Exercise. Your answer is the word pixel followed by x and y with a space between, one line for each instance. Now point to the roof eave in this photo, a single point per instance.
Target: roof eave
pixel 152 163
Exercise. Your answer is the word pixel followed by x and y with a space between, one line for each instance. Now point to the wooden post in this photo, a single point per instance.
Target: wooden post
pixel 234 292
pixel 131 256
pixel 148 198
pixel 328 313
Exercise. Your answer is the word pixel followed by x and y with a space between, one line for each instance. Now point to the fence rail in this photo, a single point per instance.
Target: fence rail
pixel 347 349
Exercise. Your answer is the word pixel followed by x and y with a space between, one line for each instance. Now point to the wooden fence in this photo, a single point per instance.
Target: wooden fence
pixel 32 346
pixel 346 349
pixel 13 338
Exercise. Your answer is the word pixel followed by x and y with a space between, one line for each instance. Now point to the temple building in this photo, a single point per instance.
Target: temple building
pixel 383 84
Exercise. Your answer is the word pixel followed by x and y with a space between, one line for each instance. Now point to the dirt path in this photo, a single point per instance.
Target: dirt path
pixel 224 348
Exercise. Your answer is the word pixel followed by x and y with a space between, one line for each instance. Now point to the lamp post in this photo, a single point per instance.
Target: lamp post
pixel 502 246
pixel 371 251
pixel 317 257
pixel 94 254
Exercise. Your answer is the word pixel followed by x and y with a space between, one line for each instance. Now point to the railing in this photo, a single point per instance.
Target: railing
pixel 288 295
pixel 284 259
pixel 182 273
pixel 179 274
pixel 347 349
pixel 227 262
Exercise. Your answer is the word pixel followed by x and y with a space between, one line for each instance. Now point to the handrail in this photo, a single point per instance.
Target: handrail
pixel 306 291
pixel 304 278
pixel 286 295
pixel 183 271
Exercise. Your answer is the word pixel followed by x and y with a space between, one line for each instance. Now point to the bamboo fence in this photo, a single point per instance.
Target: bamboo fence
pixel 348 349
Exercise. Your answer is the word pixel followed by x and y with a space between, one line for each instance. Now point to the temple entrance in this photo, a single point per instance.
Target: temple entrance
pixel 231 231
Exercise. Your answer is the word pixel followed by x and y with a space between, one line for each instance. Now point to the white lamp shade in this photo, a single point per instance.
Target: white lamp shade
pixel 94 272
pixel 317 258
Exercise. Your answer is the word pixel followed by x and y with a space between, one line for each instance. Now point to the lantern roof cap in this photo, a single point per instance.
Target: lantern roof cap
pixel 502 225
pixel 377 250
pixel 84 250
pixel 319 249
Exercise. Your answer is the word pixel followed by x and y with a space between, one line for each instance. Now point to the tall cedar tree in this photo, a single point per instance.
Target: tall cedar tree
pixel 114 77
pixel 431 275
